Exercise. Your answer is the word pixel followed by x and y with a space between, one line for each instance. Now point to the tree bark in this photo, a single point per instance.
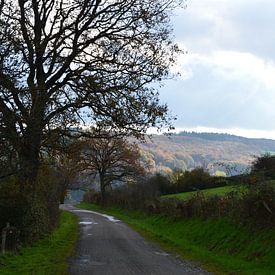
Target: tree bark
pixel 102 189
pixel 29 155
pixel 29 165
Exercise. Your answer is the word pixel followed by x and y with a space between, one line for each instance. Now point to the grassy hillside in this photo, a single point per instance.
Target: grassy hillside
pixel 216 152
pixel 219 191
pixel 219 245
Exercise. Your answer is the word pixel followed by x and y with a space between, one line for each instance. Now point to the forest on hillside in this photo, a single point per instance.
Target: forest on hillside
pixel 218 153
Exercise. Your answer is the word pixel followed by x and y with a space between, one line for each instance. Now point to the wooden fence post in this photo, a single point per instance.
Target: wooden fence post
pixel 4 236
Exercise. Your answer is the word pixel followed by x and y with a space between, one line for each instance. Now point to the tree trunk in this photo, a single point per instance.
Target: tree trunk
pixel 30 148
pixel 29 163
pixel 102 189
pixel 35 220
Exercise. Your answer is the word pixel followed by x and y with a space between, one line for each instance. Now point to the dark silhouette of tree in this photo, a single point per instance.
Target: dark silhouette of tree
pixel 264 166
pixel 65 62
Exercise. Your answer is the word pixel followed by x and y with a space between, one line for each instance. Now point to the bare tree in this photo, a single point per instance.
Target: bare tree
pixel 111 159
pixel 63 63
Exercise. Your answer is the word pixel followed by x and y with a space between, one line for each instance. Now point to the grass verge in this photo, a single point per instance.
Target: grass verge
pixel 47 256
pixel 220 246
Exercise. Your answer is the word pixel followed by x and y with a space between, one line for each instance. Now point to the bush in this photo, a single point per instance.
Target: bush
pixel 258 205
pixel 12 203
pixel 264 166
pixel 197 179
pixel 33 214
pixel 159 184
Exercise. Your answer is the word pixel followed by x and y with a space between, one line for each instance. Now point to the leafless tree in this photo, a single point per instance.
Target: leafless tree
pixel 111 159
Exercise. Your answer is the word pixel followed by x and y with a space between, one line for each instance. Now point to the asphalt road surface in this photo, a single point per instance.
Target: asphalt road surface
pixel 108 246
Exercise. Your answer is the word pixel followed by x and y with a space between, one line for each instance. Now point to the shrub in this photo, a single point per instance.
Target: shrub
pixel 33 214
pixel 197 179
pixel 264 166
pixel 12 203
pixel 258 205
pixel 159 184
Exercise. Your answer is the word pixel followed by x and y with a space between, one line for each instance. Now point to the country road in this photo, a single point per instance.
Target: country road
pixel 108 246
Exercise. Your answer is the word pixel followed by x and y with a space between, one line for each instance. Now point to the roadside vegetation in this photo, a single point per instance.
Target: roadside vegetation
pixel 218 244
pixel 46 256
pixel 228 229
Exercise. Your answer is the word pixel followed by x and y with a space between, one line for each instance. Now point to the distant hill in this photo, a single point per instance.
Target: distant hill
pixel 219 153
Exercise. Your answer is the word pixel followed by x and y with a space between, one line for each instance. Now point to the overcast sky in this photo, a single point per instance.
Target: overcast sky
pixel 227 81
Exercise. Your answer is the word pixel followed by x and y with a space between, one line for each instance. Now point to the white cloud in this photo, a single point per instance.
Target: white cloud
pixel 231 65
pixel 244 65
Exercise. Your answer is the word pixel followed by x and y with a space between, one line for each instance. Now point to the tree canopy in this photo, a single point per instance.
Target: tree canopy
pixel 68 62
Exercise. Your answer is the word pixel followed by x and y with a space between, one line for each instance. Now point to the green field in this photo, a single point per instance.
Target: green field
pixel 219 191
pixel 47 256
pixel 219 245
